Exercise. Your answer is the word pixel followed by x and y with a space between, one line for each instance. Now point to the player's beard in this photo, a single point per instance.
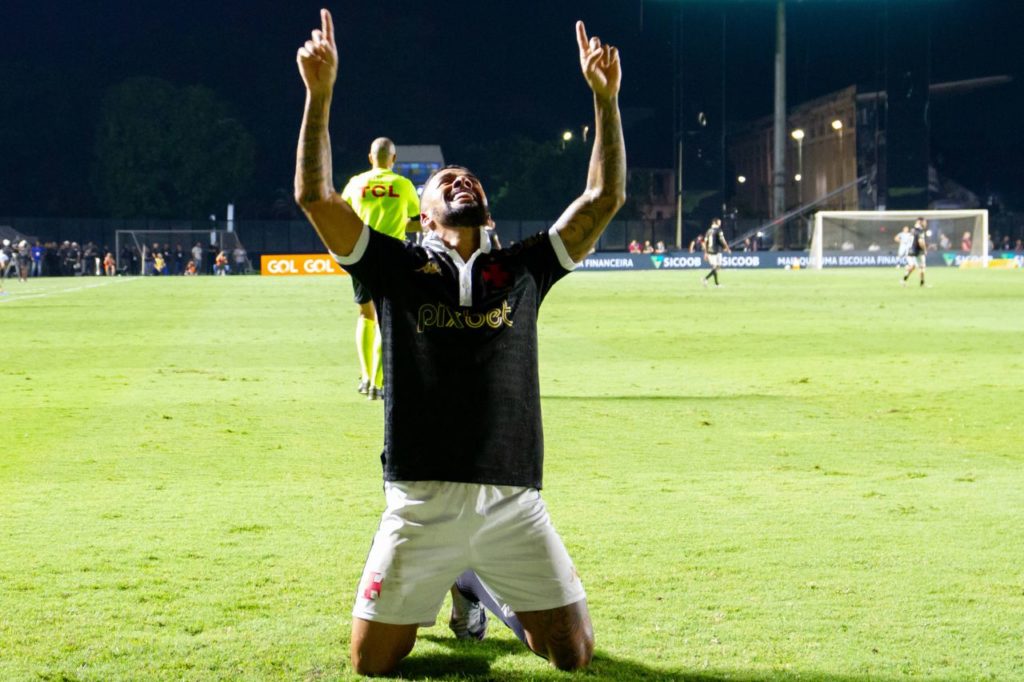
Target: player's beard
pixel 465 215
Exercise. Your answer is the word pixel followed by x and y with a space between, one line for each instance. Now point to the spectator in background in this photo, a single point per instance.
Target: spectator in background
pixel 62 258
pixel 190 269
pixel 38 253
pixel 6 258
pixel 944 243
pixel 634 247
pixel 241 260
pixel 220 264
pixel 1019 246
pixel 109 265
pixel 660 247
pixel 1005 244
pixel 197 257
pixel 73 260
pixel 24 256
pixel 159 264
pixel 147 259
pixel 747 244
pixel 211 258
pixel 648 247
pixel 51 259
pixel 179 260
pixel 90 259
pixel 697 244
pixel 965 242
pixel 128 260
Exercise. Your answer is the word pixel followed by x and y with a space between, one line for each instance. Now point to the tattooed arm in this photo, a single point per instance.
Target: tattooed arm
pixel 583 222
pixel 338 225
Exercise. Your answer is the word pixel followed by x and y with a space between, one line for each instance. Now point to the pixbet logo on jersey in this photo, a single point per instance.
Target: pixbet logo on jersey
pixel 306 264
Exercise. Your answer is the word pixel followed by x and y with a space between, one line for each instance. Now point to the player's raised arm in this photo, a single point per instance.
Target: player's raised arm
pixel 583 222
pixel 335 221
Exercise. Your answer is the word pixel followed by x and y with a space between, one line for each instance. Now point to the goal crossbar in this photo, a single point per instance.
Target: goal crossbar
pixel 979 231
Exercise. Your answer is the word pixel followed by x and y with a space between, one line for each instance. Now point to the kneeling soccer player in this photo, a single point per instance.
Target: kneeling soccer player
pixel 463 445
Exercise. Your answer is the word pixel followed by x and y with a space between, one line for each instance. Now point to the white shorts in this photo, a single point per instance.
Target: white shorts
pixel 433 531
pixel 715 260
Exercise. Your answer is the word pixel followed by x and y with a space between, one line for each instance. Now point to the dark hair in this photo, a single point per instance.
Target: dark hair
pixel 451 166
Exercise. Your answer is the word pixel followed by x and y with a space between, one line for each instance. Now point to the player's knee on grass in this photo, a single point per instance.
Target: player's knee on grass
pixel 564 635
pixel 574 655
pixel 378 648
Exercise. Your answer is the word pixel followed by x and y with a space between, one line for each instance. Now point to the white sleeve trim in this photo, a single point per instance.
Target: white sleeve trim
pixel 357 251
pixel 559 246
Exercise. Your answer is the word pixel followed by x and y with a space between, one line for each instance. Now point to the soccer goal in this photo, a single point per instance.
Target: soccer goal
pixel 837 232
pixel 138 242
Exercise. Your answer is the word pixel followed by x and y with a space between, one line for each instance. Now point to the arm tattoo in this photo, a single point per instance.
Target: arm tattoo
pixel 585 220
pixel 313 171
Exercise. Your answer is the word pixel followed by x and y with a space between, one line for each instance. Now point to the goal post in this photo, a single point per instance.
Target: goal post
pixel 139 241
pixel 873 231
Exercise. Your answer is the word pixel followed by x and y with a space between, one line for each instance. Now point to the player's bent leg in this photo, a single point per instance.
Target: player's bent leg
pixel 563 635
pixel 377 648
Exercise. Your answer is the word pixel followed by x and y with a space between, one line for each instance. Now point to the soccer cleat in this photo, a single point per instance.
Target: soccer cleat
pixel 364 386
pixel 375 393
pixel 704 283
pixel 468 619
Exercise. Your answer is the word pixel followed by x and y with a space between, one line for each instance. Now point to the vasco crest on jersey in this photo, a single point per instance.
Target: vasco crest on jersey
pixel 495 276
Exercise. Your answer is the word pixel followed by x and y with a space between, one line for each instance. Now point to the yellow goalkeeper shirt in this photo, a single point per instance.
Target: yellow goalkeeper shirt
pixel 383 199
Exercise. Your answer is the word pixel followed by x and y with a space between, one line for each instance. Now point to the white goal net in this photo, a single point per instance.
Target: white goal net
pixel 876 232
pixel 132 247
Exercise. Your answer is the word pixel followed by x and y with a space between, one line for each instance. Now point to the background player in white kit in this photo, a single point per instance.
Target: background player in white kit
pixel 905 239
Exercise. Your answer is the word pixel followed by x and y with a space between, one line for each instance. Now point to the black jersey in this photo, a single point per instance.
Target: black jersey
pixel 714 241
pixel 462 400
pixel 917 247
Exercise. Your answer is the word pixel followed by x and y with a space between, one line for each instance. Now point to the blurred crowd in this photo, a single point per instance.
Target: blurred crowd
pixel 69 259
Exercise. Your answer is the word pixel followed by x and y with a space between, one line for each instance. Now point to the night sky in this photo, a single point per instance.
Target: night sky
pixel 455 73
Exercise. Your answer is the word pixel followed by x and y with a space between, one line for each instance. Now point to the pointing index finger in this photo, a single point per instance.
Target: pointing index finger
pixel 327 25
pixel 581 36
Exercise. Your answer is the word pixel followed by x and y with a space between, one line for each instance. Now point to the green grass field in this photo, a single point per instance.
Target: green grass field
pixel 801 475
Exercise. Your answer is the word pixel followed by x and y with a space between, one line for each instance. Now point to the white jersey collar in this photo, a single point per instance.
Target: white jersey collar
pixel 433 242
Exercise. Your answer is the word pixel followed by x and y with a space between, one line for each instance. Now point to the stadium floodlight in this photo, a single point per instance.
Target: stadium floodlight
pixel 845 231
pixel 741 179
pixel 567 135
pixel 837 124
pixel 797 134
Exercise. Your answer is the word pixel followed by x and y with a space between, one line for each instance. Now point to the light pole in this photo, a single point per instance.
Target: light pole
pixel 566 136
pixel 798 135
pixel 837 125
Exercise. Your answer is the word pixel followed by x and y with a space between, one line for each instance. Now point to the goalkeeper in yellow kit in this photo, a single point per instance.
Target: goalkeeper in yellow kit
pixel 387 202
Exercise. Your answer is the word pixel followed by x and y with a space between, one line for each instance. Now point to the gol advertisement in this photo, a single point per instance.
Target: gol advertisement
pixel 299 264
